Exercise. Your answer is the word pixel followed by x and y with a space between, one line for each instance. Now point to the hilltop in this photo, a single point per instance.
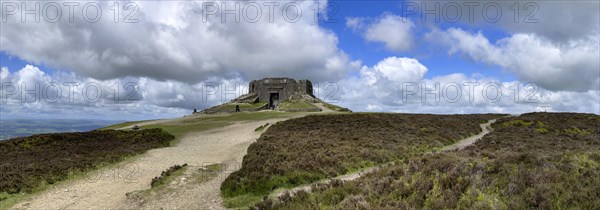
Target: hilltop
pixel 281 94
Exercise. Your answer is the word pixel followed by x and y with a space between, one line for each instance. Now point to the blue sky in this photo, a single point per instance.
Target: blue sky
pixel 439 62
pixel 169 54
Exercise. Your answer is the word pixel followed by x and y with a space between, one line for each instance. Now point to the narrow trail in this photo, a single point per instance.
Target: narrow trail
pixel 461 144
pixel 485 129
pixel 106 188
pixel 323 108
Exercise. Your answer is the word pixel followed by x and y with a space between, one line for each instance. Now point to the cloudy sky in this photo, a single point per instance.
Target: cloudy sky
pixel 130 60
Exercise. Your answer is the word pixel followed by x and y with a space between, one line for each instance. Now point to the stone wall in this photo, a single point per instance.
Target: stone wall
pixel 305 86
pixel 286 87
pixel 260 91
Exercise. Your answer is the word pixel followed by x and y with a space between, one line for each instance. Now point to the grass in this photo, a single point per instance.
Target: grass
pixel 242 201
pixel 31 164
pixel 160 185
pixel 206 122
pixel 242 105
pixel 304 150
pixel 168 175
pixel 208 172
pixel 261 128
pixel 336 108
pixel 517 122
pixel 122 125
pixel 299 104
pixel 176 178
pixel 513 167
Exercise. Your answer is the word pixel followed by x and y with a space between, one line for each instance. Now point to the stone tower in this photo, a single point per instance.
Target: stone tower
pixel 273 90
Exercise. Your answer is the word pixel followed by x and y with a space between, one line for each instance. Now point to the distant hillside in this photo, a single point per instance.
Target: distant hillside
pixel 27 127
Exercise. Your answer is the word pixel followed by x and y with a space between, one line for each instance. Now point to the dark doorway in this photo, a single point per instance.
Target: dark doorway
pixel 273 100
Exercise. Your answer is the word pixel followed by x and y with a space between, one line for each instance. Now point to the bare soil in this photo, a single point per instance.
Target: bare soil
pixel 323 108
pixel 107 188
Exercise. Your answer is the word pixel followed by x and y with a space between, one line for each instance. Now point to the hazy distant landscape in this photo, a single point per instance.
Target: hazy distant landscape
pixel 27 127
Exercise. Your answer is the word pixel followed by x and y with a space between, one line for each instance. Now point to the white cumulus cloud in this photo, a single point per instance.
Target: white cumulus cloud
pixel 395 32
pixel 31 93
pixel 372 90
pixel 179 40
pixel 571 66
pixel 401 69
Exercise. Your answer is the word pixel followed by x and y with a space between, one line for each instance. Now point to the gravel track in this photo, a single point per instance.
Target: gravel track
pixel 106 188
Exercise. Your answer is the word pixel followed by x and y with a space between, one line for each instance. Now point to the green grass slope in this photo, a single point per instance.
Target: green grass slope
pixel 205 122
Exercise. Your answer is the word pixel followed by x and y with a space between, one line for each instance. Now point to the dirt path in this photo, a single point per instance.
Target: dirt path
pixel 160 121
pixel 323 108
pixel 307 187
pixel 107 188
pixel 485 129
